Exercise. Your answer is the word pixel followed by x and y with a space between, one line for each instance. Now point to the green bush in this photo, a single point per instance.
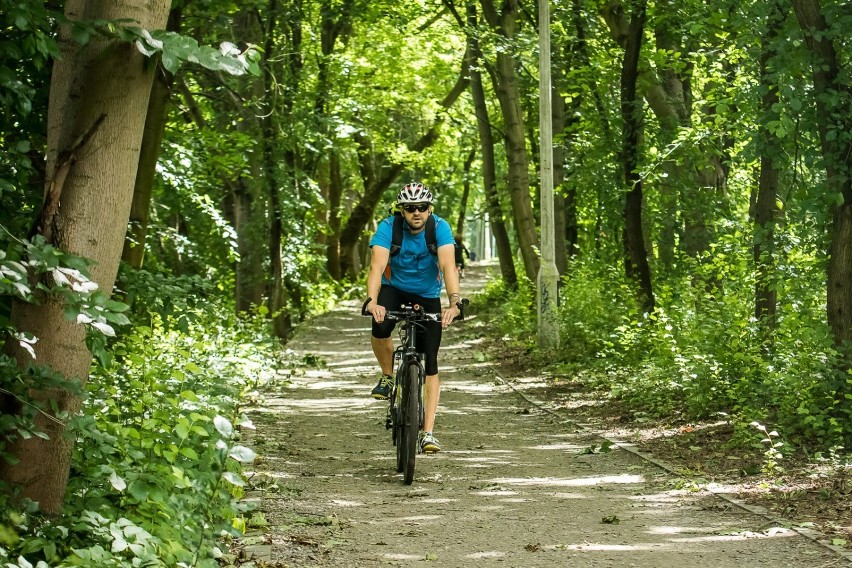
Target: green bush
pixel 156 479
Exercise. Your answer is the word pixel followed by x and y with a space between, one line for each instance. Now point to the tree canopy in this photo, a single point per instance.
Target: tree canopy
pixel 247 148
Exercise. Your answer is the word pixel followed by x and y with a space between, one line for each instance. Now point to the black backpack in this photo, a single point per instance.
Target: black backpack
pixel 396 239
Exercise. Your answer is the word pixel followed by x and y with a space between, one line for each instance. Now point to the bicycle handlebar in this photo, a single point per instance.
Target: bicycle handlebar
pixel 409 310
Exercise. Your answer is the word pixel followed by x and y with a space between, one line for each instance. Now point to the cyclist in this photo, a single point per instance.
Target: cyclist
pixel 461 252
pixel 412 275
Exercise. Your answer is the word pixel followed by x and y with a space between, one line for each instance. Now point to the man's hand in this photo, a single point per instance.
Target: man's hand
pixel 448 315
pixel 378 311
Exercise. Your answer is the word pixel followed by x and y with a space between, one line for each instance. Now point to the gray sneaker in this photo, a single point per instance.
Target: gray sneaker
pixel 382 390
pixel 429 444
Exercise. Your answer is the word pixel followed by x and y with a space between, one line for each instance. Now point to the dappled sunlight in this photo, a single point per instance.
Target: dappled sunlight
pixel 367 359
pixel 673 496
pixel 417 518
pixel 345 503
pixel 390 556
pixel 468 387
pixel 560 495
pixel 576 482
pixel 774 532
pixel 639 547
pixel 530 382
pixel 327 404
pixel 351 384
pixel 478 409
pixel 566 446
pixel 486 554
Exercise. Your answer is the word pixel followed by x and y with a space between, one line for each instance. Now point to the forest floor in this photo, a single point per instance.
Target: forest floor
pixel 528 477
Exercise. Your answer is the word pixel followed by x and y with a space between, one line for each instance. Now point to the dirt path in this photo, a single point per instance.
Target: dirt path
pixel 514 487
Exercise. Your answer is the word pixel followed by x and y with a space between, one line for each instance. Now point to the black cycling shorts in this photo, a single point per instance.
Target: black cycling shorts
pixel 428 339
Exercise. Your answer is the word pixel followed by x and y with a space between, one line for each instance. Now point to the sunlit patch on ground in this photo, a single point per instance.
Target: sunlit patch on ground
pixel 577 482
pixel 561 495
pixel 573 447
pixel 402 557
pixel 345 503
pixel 486 554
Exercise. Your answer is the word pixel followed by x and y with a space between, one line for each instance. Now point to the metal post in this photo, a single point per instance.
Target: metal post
pixel 548 276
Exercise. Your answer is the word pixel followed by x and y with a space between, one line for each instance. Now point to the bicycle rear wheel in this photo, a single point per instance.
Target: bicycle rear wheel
pixel 410 421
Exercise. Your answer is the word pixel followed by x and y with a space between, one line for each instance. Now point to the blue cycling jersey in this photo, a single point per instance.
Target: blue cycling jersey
pixel 414 269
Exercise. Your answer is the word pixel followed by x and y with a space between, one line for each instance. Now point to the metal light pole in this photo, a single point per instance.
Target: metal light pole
pixel 548 276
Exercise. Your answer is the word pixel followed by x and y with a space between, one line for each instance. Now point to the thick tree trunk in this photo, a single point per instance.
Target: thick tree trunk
pixel 336 25
pixel 279 297
pixel 508 94
pixel 765 208
pixel 834 112
pixel 107 83
pixel 489 175
pixel 152 138
pixel 247 191
pixel 636 258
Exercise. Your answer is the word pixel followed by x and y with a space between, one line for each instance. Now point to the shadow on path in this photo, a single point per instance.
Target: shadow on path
pixel 512 488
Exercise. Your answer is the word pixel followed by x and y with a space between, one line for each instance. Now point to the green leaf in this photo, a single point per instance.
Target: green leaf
pixel 223 426
pixel 233 479
pixel 242 454
pixel 117 482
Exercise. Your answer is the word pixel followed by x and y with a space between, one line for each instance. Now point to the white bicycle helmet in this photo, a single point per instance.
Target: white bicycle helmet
pixel 414 193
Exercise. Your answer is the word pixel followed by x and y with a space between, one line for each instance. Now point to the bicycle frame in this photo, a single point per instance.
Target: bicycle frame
pixel 406 354
pixel 406 410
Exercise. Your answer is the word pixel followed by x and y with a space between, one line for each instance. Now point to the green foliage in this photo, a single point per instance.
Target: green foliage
pixel 514 311
pixel 701 353
pixel 26 48
pixel 160 480
pixel 173 48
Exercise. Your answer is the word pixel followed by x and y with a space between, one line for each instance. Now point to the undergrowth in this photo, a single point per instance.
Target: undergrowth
pixel 701 354
pixel 156 477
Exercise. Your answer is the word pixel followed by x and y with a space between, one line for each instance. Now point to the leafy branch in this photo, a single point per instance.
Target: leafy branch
pixel 175 49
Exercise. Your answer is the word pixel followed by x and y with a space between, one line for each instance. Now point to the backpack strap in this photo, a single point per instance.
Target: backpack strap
pixel 396 235
pixel 431 238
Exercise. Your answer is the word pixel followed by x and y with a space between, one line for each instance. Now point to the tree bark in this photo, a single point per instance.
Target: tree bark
pixel 489 175
pixel 465 192
pixel 152 139
pixel 636 258
pixel 834 112
pixel 765 208
pixel 508 94
pixel 112 80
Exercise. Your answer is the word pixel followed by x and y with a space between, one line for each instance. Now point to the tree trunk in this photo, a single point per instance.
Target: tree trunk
pixel 335 194
pixel 105 83
pixel 465 192
pixel 508 94
pixel 247 191
pixel 152 138
pixel 489 176
pixel 636 258
pixel 834 112
pixel 375 184
pixel 765 208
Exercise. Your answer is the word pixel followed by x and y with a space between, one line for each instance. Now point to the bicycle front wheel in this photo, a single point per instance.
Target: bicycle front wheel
pixel 411 421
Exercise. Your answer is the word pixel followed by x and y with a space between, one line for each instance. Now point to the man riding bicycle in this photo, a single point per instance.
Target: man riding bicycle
pixel 412 274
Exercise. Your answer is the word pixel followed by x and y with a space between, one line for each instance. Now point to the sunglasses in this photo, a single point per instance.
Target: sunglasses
pixel 411 207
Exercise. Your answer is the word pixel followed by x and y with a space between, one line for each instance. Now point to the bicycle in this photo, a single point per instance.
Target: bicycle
pixel 405 409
